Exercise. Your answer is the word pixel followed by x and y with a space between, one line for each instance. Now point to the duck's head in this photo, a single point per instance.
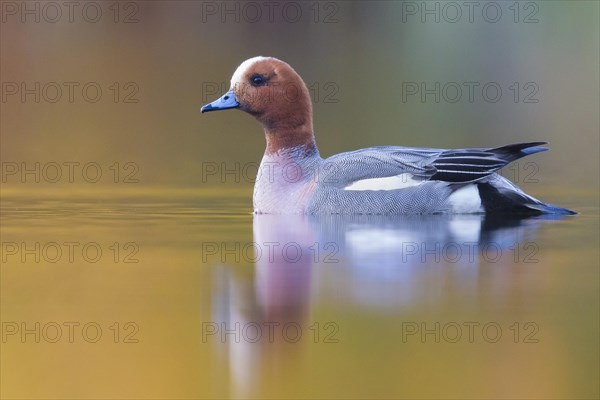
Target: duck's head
pixel 271 91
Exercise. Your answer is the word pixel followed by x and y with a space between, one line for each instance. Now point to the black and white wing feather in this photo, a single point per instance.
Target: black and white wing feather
pixel 457 166
pixel 470 165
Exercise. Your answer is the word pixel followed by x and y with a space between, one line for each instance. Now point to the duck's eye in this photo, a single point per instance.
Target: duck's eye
pixel 257 80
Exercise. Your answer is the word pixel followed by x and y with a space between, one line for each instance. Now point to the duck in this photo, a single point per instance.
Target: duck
pixel 294 179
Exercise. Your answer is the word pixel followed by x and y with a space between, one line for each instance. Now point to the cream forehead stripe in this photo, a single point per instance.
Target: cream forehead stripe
pixel 241 70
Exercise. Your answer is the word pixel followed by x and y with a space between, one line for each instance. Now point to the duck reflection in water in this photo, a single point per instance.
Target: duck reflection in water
pixel 389 264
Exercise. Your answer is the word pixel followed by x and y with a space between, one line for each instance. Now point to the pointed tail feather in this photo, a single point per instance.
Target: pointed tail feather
pixel 546 208
pixel 513 152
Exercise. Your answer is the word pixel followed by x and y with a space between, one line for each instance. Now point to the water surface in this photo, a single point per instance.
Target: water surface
pixel 196 297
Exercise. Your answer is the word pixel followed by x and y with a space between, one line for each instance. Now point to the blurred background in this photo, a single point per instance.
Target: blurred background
pixel 355 56
pixel 115 88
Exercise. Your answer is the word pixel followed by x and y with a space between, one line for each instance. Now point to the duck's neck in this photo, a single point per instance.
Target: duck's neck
pixel 283 139
pixel 291 162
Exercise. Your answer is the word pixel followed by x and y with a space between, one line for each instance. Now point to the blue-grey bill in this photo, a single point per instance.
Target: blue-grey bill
pixel 224 102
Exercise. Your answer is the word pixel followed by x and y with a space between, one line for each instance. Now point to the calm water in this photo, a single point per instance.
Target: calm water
pixel 192 296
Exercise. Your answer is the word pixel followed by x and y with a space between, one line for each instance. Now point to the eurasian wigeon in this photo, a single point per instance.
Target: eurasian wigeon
pixel 293 178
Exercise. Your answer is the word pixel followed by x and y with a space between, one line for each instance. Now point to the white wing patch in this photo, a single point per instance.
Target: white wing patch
pixel 466 200
pixel 386 183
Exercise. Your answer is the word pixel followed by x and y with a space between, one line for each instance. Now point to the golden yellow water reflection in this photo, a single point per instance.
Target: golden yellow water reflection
pixel 185 294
